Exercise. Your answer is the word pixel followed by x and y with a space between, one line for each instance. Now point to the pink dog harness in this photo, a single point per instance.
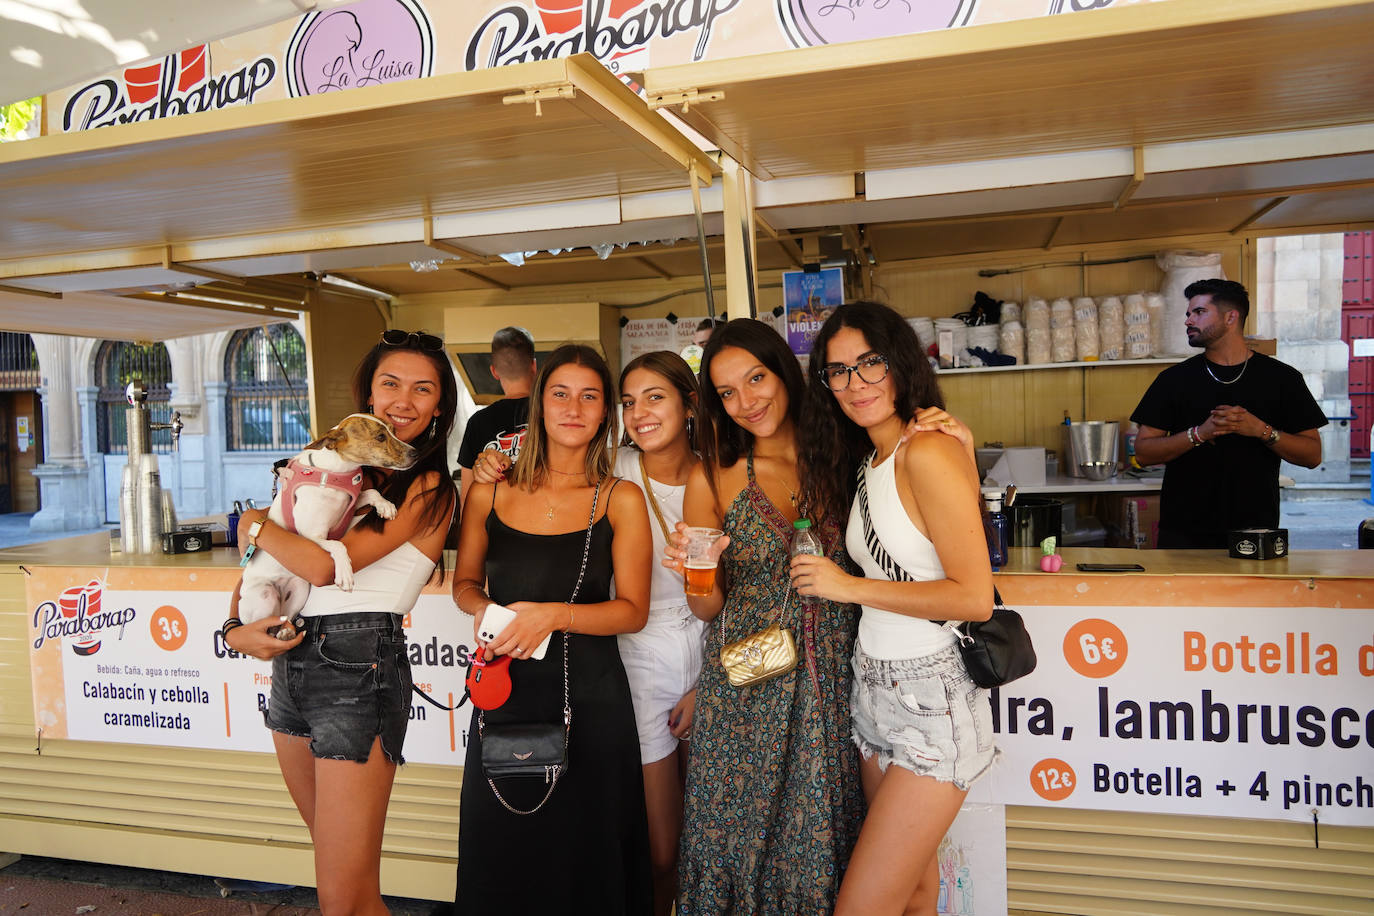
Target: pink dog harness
pixel 298 474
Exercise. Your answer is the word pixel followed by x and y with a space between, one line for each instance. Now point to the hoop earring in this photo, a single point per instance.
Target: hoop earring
pixel 691 429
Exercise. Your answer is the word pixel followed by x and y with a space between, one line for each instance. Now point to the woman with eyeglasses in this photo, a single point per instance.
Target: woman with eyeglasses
pixel 773 801
pixel 523 544
pixel 914 526
pixel 341 689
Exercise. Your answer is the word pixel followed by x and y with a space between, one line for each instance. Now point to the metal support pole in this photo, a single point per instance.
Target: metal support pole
pixel 741 253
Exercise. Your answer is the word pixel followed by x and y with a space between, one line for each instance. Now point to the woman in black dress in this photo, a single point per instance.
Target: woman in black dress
pixel 524 538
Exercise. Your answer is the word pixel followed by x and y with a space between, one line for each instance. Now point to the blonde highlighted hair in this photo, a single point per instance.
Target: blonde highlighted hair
pixel 531 469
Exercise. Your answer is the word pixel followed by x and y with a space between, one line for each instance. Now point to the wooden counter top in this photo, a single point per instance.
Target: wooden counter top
pixel 1302 564
pixel 94 550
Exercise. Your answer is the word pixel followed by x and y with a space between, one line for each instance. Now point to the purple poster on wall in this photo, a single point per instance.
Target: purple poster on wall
pixel 809 297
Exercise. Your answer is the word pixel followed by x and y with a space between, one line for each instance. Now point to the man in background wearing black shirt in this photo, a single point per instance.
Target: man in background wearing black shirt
pixel 1219 423
pixel 501 426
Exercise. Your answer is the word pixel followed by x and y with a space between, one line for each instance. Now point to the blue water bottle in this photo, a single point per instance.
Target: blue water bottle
pixel 997 543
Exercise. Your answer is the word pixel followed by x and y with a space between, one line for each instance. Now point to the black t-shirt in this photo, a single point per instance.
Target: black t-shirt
pixel 500 426
pixel 1230 481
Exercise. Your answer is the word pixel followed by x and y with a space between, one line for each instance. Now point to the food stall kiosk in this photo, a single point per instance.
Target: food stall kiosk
pixel 1100 138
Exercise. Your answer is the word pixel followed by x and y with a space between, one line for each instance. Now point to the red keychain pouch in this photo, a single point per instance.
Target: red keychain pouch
pixel 488 682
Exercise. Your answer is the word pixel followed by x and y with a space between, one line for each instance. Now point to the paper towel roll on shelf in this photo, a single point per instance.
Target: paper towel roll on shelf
pixel 1023 466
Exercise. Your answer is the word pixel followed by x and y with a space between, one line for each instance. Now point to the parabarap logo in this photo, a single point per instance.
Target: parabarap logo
pixel 610 29
pixel 362 44
pixel 77 615
pixel 178 84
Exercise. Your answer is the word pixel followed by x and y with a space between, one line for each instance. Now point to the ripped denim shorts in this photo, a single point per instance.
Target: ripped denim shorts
pixel 924 714
pixel 347 683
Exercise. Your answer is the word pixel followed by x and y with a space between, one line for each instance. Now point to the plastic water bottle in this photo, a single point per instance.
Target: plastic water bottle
pixel 804 540
pixel 997 545
pixel 1132 430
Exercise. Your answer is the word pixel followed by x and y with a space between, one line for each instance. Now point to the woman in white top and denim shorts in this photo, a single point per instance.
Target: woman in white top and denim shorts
pixel 341 688
pixel 924 729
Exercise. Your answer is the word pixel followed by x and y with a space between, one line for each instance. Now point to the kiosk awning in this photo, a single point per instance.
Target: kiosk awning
pixel 365 167
pixel 1118 122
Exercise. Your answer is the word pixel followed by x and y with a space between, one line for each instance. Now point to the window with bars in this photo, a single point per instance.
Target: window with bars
pixel 266 402
pixel 118 363
pixel 18 362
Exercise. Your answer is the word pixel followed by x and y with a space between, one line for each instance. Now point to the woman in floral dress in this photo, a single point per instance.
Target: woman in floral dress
pixel 773 801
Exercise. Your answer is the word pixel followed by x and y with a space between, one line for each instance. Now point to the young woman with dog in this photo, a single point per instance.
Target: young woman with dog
pixel 773 802
pixel 923 728
pixel 523 544
pixel 341 689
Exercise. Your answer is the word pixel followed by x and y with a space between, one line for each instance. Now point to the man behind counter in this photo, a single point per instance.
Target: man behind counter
pixel 501 425
pixel 1219 423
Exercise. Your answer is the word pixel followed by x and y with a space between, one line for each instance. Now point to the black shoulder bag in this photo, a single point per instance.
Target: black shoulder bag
pixel 996 651
pixel 537 749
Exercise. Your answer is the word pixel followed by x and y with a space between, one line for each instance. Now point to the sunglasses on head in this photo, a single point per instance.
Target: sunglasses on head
pixel 412 339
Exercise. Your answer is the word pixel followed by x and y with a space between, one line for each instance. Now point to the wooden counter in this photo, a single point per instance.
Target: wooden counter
pixel 227 812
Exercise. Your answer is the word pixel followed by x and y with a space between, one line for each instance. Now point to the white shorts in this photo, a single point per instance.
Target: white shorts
pixel 662 661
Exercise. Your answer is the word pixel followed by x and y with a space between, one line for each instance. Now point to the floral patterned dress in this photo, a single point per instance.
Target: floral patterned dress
pixel 773 802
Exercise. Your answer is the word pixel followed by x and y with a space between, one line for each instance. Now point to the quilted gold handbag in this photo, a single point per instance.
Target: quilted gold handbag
pixel 759 657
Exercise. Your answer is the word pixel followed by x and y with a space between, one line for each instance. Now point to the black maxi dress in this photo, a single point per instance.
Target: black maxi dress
pixel 587 848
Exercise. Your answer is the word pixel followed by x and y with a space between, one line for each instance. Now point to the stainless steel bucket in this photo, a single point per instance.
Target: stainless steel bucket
pixel 1091 440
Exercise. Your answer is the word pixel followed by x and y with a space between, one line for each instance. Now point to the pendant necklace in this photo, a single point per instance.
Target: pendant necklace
pixel 1207 364
pixel 791 493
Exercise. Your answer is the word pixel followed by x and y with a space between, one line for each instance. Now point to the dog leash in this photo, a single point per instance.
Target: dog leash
pixel 466 694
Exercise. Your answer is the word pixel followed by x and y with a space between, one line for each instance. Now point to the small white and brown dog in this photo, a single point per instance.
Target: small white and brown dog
pixel 317 493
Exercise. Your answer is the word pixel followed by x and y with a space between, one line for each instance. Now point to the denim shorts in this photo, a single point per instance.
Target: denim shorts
pixel 347 683
pixel 924 714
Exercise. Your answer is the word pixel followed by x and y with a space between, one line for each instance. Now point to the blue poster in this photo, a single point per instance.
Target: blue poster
pixel 809 298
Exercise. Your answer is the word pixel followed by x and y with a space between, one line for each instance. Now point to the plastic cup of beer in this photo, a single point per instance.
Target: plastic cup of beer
pixel 700 565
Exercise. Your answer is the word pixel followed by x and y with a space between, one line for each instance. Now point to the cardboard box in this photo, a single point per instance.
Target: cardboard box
pixel 1133 521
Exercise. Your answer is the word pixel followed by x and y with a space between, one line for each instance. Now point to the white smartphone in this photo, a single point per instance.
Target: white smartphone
pixel 495 619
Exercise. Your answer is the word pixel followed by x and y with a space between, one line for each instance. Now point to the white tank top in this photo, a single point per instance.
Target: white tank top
pixel 883 634
pixel 665 585
pixel 388 585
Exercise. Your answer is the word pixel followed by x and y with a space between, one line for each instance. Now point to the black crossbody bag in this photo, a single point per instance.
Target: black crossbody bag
pixel 996 651
pixel 535 749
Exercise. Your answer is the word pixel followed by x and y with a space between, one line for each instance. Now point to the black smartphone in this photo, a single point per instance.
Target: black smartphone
pixel 1110 567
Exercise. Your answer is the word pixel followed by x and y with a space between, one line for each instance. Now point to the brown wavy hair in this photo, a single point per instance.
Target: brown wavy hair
pixel 830 445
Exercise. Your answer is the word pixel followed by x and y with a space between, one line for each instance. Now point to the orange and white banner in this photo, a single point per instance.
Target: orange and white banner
pixel 1261 712
pixel 133 656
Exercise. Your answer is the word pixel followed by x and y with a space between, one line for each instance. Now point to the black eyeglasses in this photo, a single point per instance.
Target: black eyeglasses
pixel 412 339
pixel 872 369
